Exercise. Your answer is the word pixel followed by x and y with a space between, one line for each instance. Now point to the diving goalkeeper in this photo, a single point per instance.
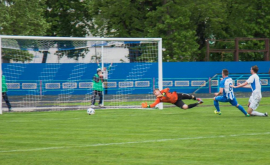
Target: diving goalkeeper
pixel 174 98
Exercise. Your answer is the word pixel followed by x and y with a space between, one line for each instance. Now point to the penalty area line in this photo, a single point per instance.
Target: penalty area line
pixel 135 142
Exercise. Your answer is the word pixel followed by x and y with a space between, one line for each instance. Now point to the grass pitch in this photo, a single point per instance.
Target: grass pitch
pixel 126 136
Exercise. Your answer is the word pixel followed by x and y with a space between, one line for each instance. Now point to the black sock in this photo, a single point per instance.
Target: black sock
pixel 194 97
pixel 192 105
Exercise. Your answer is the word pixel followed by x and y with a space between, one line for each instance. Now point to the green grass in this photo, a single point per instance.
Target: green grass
pixel 125 137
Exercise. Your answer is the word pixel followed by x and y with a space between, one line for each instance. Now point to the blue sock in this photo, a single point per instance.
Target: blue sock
pixel 242 109
pixel 216 105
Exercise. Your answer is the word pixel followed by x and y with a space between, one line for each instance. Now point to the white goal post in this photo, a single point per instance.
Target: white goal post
pixel 47 73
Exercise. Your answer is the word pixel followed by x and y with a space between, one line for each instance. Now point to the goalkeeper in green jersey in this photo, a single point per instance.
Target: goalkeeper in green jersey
pixel 97 88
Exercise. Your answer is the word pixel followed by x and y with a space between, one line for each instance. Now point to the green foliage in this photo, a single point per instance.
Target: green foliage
pixel 144 52
pixel 173 26
pixel 21 18
pixel 244 19
pixel 68 18
pixel 184 25
pixel 17 55
pixel 207 19
pixel 120 18
pixel 15 50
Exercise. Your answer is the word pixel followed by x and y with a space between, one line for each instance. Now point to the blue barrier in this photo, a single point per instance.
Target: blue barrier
pixel 75 78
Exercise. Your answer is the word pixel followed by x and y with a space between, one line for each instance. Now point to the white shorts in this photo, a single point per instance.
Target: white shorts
pixel 254 101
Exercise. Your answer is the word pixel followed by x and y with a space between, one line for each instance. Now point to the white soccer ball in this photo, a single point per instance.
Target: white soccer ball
pixel 90 111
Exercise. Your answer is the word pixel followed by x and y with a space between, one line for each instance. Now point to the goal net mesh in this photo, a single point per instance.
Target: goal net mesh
pixel 58 74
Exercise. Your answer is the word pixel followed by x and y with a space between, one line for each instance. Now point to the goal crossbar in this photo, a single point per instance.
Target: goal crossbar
pixel 79 38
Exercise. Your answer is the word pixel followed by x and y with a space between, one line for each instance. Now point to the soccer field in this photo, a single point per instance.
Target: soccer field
pixel 130 136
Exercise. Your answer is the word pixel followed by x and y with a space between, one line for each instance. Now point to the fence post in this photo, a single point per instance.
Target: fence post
pixel 40 87
pixel 207 50
pixel 209 82
pixel 266 53
pixel 236 53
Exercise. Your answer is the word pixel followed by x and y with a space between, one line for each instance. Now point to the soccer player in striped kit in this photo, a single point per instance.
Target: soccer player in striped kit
pixel 256 95
pixel 228 94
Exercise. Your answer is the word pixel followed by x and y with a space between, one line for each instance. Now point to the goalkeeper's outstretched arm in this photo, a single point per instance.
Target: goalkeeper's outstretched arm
pixel 145 105
pixel 159 94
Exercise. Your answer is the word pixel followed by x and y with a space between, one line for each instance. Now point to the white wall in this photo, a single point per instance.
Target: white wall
pixel 111 54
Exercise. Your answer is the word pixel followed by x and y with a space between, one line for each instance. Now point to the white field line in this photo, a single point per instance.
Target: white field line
pixel 136 142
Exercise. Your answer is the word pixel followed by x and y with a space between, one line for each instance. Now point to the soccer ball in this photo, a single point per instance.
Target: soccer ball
pixel 90 111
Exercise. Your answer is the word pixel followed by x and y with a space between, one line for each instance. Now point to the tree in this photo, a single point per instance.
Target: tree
pixel 21 18
pixel 173 26
pixel 244 19
pixel 207 19
pixel 146 18
pixel 122 18
pixel 185 25
pixel 68 18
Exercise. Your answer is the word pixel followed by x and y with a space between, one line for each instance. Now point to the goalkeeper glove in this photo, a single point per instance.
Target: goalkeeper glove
pixel 144 105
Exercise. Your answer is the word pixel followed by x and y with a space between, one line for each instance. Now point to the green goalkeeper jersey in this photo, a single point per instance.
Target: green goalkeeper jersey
pixel 97 83
pixel 4 85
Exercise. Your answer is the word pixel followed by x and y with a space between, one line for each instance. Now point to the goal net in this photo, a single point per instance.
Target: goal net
pixel 57 73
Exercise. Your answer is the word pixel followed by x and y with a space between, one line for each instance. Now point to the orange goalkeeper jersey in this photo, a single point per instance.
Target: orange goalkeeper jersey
pixel 167 97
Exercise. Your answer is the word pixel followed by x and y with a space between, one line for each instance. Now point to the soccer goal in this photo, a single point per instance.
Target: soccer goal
pixel 56 73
